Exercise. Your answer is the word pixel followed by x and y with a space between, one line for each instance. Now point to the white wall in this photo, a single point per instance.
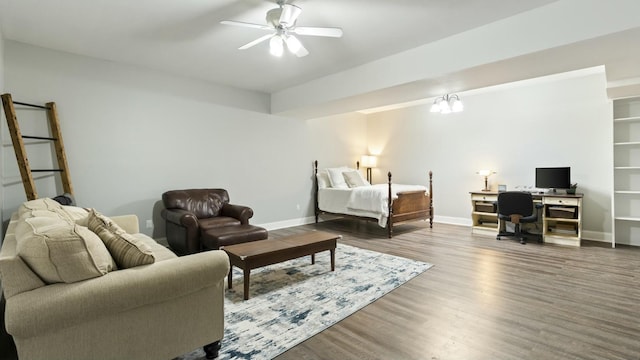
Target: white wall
pixel 131 134
pixel 338 140
pixel 512 130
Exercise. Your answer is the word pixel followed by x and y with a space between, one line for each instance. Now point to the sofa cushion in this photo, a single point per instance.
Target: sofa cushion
pixel 77 214
pixel 126 250
pixel 217 222
pixel 59 251
pixel 39 207
pixel 159 252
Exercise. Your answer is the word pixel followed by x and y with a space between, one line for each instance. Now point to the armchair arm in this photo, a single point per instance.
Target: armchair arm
pixel 180 217
pixel 240 212
pixel 128 223
pixel 61 305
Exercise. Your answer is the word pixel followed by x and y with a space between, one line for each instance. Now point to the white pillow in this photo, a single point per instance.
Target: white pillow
pixel 336 179
pixel 323 180
pixel 354 178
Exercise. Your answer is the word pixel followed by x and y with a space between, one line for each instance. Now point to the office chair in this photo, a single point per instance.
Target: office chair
pixel 516 207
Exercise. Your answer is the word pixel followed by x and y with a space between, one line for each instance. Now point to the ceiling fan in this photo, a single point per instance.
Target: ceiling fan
pixel 281 22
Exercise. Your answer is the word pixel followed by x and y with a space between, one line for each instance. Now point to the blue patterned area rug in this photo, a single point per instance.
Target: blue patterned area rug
pixel 294 300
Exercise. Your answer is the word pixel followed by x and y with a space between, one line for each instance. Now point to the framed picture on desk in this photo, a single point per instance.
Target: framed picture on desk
pixel 502 188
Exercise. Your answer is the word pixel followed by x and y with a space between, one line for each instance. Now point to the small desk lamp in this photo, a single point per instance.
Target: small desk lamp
pixel 486 174
pixel 369 161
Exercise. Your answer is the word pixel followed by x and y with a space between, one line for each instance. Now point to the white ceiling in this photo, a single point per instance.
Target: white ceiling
pixel 416 49
pixel 185 37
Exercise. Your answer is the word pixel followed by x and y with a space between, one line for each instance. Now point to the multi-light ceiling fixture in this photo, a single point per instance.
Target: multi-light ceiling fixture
pixel 447 104
pixel 282 28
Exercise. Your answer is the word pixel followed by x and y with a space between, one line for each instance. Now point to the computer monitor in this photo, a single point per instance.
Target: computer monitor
pixel 553 178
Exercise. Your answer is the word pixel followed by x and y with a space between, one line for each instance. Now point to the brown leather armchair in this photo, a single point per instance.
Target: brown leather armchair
pixel 194 214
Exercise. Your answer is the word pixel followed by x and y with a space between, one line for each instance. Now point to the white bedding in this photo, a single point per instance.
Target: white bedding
pixel 370 201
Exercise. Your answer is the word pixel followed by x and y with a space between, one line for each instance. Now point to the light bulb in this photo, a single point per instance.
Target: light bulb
pixel 444 107
pixel 276 47
pixel 457 105
pixel 293 44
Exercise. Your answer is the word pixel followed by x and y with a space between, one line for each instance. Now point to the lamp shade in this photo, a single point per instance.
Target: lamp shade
pixel 457 105
pixel 485 172
pixel 369 161
pixel 276 47
pixel 293 44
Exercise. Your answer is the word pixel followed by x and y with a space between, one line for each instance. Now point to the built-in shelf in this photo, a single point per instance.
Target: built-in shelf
pixel 627 143
pixel 625 204
pixel 627 218
pixel 632 118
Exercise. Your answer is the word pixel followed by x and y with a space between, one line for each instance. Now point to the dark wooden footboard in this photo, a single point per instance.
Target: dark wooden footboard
pixel 408 206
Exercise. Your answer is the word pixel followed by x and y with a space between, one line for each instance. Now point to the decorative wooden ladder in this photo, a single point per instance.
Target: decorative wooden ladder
pixel 21 154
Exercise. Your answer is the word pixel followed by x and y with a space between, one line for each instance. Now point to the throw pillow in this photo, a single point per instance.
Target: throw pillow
pixel 78 214
pixel 43 204
pixel 126 250
pixel 323 180
pixel 336 179
pixel 354 179
pixel 58 251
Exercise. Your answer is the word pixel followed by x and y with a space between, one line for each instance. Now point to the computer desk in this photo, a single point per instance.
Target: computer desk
pixel 559 219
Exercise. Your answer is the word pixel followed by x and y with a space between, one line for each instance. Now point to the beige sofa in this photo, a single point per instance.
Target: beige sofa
pixel 160 310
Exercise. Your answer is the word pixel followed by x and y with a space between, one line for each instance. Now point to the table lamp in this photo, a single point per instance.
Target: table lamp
pixel 486 174
pixel 369 161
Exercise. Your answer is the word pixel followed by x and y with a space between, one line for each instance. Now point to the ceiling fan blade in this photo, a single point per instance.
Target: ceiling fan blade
pixel 255 42
pixel 289 15
pixel 302 52
pixel 317 31
pixel 295 46
pixel 245 24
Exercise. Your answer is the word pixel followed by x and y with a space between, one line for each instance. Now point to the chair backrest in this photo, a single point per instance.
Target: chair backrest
pixel 204 203
pixel 515 202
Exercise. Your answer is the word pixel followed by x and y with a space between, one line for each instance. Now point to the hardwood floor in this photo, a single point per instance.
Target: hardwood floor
pixel 487 299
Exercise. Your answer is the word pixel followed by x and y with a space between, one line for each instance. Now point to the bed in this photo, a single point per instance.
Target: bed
pixel 388 204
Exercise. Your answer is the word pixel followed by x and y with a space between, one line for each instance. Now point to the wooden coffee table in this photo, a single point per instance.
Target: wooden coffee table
pixel 255 254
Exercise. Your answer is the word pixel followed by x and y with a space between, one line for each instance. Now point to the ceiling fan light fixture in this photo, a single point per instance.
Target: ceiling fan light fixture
pixel 281 22
pixel 276 47
pixel 289 14
pixel 293 44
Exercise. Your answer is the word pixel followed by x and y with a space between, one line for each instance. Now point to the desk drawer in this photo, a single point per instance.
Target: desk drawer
pixel 561 201
pixel 478 197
